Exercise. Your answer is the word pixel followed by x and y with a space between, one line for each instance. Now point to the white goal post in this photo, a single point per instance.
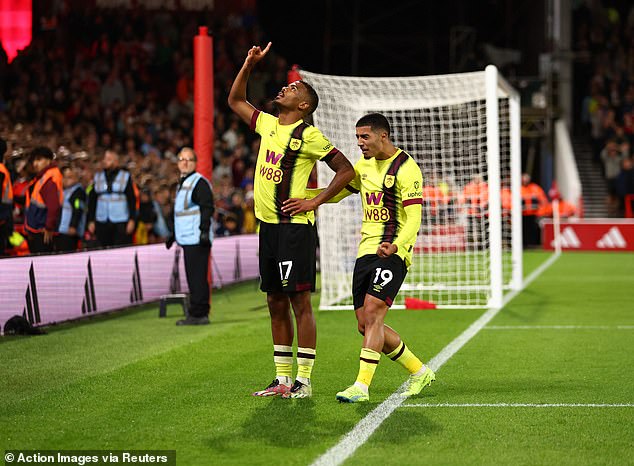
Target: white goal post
pixel 461 129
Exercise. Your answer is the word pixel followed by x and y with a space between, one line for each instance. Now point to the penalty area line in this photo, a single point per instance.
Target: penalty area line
pixel 518 405
pixel 559 327
pixel 362 431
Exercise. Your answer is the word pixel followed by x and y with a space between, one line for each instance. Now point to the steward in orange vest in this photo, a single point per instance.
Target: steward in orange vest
pixel 475 197
pixel 566 210
pixel 6 202
pixel 435 204
pixel 533 196
pixel 506 199
pixel 44 200
pixel 533 201
pixel 475 202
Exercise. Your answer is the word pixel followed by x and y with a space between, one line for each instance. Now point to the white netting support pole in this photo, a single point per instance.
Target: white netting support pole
pixel 517 277
pixel 556 227
pixel 493 166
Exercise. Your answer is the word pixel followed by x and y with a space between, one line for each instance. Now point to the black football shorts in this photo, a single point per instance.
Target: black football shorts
pixel 381 277
pixel 287 257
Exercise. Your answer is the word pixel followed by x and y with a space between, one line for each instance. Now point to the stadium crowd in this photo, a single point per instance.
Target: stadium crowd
pixel 604 45
pixel 123 80
pixel 99 80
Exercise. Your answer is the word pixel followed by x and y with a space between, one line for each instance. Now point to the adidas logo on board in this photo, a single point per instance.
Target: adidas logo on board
pixel 568 239
pixel 613 239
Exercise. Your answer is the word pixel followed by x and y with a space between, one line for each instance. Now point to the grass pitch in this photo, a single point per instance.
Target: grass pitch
pixel 547 381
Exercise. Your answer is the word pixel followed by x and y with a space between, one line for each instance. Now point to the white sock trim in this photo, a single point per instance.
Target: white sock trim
pixel 362 386
pixel 421 370
pixel 284 380
pixel 304 380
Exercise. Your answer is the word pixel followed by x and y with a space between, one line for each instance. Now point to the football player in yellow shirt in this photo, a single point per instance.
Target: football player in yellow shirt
pixel 390 183
pixel 289 149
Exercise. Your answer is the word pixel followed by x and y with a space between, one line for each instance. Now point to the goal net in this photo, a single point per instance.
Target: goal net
pixel 463 130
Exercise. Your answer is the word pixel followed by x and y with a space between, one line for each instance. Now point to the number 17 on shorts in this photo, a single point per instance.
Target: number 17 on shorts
pixel 285 271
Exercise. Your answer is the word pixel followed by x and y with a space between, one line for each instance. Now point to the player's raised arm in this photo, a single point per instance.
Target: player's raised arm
pixel 238 95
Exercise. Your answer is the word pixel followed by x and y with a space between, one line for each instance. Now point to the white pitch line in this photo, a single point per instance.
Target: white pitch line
pixel 559 327
pixel 518 405
pixel 361 432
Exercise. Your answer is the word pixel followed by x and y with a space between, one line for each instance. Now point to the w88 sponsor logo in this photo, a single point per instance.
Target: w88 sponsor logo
pixel 271 174
pixel 376 214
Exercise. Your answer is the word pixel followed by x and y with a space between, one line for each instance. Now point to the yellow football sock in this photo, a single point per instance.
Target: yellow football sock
pixel 283 358
pixel 405 358
pixel 305 362
pixel 368 360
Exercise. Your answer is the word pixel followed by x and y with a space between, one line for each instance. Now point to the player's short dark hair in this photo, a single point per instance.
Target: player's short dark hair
pixel 376 121
pixel 313 98
pixel 42 152
pixel 3 148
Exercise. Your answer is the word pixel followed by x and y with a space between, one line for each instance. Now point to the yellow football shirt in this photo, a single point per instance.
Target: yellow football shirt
pixel 279 177
pixel 392 197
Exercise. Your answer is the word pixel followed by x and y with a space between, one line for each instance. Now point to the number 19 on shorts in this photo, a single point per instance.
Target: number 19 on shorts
pixel 385 275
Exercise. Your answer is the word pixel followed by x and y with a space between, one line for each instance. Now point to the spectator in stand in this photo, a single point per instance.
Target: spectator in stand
pixel 6 202
pixel 628 126
pixel 21 184
pixel 112 203
pixel 112 90
pixel 235 208
pixel 43 201
pixel 611 156
pixel 146 218
pixel 229 226
pixel 223 169
pixel 231 135
pixel 160 230
pixel 249 223
pixel 625 183
pixel 533 202
pixel 622 141
pixel 247 180
pixel 73 221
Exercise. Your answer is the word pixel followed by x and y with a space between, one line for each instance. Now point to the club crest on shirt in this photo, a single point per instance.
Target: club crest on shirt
pixel 389 181
pixel 295 144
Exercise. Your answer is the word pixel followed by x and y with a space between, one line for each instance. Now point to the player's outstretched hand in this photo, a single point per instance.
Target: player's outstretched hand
pixel 386 249
pixel 294 206
pixel 256 54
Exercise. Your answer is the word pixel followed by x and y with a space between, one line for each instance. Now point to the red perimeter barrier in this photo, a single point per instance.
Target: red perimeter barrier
pixel 606 234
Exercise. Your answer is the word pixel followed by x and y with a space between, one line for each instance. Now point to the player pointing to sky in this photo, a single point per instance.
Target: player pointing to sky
pixel 289 149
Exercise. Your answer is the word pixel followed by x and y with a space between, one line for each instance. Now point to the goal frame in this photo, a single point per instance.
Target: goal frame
pixel 496 88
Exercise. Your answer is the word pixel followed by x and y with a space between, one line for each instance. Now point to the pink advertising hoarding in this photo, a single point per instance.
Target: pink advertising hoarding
pixel 55 288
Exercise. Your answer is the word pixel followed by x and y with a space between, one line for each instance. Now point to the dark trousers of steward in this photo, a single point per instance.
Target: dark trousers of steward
pixel 197 271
